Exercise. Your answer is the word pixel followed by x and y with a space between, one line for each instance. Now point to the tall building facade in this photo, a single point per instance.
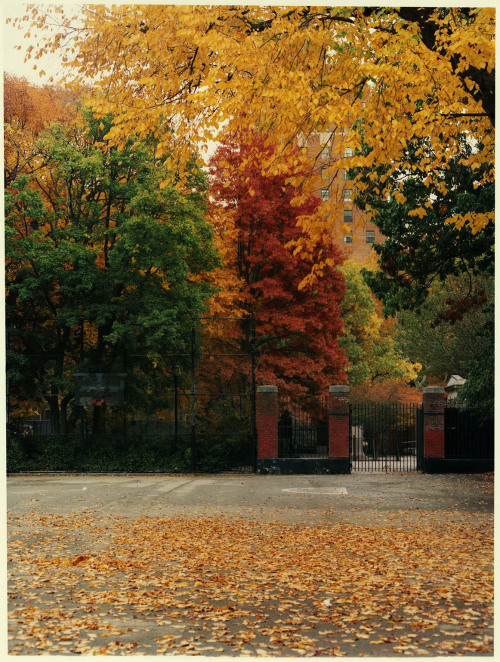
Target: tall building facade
pixel 332 184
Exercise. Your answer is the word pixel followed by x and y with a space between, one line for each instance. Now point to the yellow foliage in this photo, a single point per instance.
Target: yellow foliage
pixel 228 300
pixel 477 221
pixel 294 72
pixel 369 339
pixel 420 212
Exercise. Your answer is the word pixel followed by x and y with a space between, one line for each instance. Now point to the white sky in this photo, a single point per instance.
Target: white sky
pixel 13 59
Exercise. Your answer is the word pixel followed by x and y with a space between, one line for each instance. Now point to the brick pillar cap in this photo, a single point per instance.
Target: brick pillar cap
pixel 339 389
pixel 433 389
pixel 267 389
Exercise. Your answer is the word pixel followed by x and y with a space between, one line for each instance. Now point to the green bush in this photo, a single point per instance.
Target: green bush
pixel 41 453
pixel 222 443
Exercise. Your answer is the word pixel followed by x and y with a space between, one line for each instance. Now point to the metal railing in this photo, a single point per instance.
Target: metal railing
pixel 303 427
pixel 385 437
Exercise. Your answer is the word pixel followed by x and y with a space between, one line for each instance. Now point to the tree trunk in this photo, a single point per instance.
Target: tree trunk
pixel 99 420
pixel 55 419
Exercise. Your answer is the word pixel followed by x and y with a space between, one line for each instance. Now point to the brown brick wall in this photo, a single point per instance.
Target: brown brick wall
pixel 338 429
pixel 267 422
pixel 434 402
pixel 359 249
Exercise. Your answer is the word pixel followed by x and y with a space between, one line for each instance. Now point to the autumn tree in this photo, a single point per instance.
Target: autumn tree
pixel 104 258
pixel 297 328
pixel 28 109
pixel 380 76
pixel 368 339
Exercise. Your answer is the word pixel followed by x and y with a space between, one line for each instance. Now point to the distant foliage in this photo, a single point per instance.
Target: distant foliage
pixel 369 339
pixel 28 109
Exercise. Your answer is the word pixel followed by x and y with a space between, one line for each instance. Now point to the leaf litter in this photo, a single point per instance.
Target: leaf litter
pixel 220 585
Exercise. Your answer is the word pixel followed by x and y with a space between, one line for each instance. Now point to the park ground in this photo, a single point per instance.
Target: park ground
pixel 241 564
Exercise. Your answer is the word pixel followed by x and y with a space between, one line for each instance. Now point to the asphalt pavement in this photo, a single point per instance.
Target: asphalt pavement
pixel 366 564
pixel 298 498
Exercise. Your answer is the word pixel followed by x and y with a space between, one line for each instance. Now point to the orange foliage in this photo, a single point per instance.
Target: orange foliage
pixel 385 392
pixel 27 110
pixel 228 301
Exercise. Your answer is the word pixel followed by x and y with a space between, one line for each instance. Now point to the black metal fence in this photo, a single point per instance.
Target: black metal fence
pixel 303 427
pixel 386 437
pixel 193 412
pixel 467 435
pixel 220 439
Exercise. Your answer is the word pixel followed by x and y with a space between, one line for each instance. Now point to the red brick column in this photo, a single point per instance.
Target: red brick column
pixel 267 422
pixel 338 429
pixel 434 403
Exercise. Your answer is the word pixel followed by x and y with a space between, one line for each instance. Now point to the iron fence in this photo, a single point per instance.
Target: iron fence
pixel 194 411
pixel 467 435
pixel 221 438
pixel 385 437
pixel 303 427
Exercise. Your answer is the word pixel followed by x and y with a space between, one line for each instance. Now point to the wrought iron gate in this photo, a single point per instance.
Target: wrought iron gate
pixel 386 437
pixel 303 427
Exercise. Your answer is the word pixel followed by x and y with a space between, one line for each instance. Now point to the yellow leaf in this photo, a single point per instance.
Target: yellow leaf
pixel 420 212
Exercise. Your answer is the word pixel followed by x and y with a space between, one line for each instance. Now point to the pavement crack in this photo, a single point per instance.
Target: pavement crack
pixel 166 490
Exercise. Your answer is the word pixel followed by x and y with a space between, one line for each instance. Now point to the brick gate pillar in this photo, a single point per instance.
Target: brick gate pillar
pixel 338 428
pixel 434 404
pixel 267 422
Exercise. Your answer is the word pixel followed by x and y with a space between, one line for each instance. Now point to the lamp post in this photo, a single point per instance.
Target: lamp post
pixel 176 372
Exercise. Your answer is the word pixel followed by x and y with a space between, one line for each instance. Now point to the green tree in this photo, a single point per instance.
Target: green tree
pixel 105 258
pixel 368 339
pixel 440 270
pixel 450 342
pixel 420 246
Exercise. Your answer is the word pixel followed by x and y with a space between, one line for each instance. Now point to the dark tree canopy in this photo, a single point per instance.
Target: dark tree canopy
pixel 422 248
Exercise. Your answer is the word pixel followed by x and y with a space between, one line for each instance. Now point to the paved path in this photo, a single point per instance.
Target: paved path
pixel 290 498
pixel 363 564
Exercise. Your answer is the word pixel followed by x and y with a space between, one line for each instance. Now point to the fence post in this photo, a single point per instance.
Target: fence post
pixel 267 422
pixel 433 398
pixel 253 351
pixel 338 428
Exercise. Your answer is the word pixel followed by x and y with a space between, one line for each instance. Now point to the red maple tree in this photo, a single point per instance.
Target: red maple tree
pixel 297 329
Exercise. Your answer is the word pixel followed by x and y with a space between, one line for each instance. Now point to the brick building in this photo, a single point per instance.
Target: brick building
pixel 332 184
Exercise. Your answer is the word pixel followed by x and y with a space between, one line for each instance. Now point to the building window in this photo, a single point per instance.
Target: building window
pixel 348 195
pixel 348 238
pixel 346 176
pixel 348 151
pixel 325 193
pixel 370 236
pixel 324 154
pixel 347 215
pixel 323 173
